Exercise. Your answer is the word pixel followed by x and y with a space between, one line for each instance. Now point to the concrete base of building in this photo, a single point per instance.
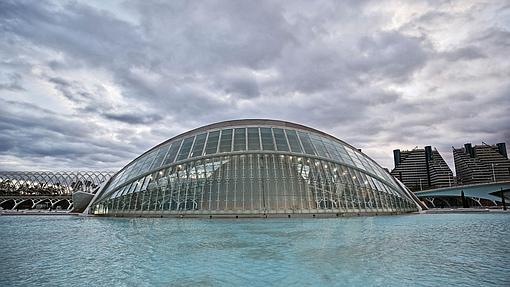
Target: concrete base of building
pixel 173 214
pixel 34 212
pixel 465 210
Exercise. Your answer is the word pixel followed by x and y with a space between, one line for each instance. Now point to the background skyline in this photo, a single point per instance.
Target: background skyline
pixel 92 85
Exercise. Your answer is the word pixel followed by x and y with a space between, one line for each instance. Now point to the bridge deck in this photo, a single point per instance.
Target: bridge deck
pixel 483 190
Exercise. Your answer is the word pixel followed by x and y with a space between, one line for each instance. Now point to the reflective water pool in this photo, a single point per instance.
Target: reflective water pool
pixel 409 250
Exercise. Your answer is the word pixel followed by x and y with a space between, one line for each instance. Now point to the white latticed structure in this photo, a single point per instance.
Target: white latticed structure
pixel 46 189
pixel 50 182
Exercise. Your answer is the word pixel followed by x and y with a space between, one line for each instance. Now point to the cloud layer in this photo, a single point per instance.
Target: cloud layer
pixel 89 85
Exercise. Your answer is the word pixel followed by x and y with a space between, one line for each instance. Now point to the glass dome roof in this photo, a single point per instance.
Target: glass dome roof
pixel 228 157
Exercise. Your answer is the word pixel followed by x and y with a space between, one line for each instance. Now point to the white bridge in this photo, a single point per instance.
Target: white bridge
pixel 482 194
pixel 16 202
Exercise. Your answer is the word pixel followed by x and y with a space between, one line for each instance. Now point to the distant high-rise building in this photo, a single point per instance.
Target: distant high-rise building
pixel 481 163
pixel 421 169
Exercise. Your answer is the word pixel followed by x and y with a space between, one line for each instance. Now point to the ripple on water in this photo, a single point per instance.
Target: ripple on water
pixel 412 250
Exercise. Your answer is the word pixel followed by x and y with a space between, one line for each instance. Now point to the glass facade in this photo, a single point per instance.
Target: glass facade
pixel 252 168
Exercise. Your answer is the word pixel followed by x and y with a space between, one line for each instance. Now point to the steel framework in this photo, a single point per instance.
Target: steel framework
pixel 50 182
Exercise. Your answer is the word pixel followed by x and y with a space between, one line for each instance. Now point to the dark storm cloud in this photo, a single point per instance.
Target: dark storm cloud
pixel 82 32
pixel 390 55
pixel 95 84
pixel 133 119
pixel 240 85
pixel 467 53
pixel 70 90
pixel 214 34
pixel 90 103
pixel 29 131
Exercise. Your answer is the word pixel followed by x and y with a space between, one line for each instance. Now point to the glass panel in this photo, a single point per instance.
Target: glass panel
pixel 134 186
pixel 172 152
pixel 295 146
pixel 376 169
pixel 333 153
pixel 125 190
pixel 119 192
pixel 354 158
pixel 267 139
pixel 199 145
pixel 307 144
pixel 185 149
pixel 132 170
pixel 343 153
pixel 160 156
pixel 280 139
pixel 365 163
pixel 226 141
pixel 239 139
pixel 145 166
pixel 319 146
pixel 253 139
pixel 146 182
pixel 212 142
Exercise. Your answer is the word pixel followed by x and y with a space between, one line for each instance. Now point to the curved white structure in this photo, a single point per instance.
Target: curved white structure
pixel 254 168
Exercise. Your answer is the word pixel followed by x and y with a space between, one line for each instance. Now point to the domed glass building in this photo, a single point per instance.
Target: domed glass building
pixel 252 168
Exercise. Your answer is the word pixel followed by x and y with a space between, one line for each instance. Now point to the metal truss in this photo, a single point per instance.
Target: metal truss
pixel 50 183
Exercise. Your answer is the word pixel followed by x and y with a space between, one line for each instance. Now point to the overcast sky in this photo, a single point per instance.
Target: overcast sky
pixel 93 84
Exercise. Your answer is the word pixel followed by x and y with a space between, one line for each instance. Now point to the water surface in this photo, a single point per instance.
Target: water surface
pixel 408 250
